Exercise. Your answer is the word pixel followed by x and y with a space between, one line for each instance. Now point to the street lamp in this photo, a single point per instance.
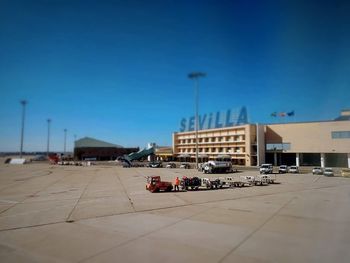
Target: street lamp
pixel 48 136
pixel 65 139
pixel 23 102
pixel 195 76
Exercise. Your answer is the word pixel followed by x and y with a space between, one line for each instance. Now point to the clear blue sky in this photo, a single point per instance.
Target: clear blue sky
pixel 117 70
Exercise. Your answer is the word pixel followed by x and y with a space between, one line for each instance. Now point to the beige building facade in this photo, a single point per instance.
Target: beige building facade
pixel 324 143
pixel 238 144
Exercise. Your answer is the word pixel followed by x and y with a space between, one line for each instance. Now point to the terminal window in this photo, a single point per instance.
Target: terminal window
pixel 341 135
pixel 277 146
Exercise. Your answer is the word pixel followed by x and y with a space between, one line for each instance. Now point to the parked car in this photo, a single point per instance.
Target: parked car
pixel 185 166
pixel 126 165
pixel 293 169
pixel 155 165
pixel 39 158
pixel 328 172
pixel 317 170
pixel 266 168
pixel 171 165
pixel 283 169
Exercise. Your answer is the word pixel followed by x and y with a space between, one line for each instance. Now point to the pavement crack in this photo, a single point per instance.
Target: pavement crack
pixel 69 217
pixel 34 194
pixel 24 180
pixel 31 226
pixel 183 199
pixel 144 235
pixel 256 230
pixel 126 193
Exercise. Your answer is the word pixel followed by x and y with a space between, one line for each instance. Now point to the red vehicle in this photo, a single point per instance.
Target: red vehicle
pixel 54 158
pixel 154 184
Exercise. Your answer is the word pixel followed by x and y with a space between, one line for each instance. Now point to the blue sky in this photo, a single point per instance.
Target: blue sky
pixel 117 70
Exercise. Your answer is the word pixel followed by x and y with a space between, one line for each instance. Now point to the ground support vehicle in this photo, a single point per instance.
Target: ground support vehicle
pixel 215 183
pixel 155 184
pixel 234 181
pixel 195 183
pixel 54 158
pixel 216 167
pixel 264 179
pixel 240 181
pixel 246 180
pixel 267 178
pixel 225 182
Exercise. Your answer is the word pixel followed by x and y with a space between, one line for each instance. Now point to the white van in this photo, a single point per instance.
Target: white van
pixel 266 168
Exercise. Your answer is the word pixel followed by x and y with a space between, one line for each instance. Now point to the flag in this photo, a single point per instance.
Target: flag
pixel 282 114
pixel 290 113
pixel 274 114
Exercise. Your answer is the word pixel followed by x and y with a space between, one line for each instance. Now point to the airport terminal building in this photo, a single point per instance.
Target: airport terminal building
pixel 323 143
pixel 237 144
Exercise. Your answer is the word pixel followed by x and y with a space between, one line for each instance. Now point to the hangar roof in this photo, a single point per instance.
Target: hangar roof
pixel 91 142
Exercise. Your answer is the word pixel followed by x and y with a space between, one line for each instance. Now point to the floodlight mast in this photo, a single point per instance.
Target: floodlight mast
pixel 48 137
pixel 195 76
pixel 23 103
pixel 65 140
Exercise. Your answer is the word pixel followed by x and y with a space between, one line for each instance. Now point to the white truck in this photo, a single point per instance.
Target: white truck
pixel 216 167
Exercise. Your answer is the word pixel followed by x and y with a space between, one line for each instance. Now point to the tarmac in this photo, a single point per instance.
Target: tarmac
pixel 103 213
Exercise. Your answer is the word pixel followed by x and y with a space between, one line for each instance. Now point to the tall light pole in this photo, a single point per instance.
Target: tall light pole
pixel 195 76
pixel 65 140
pixel 23 102
pixel 75 139
pixel 48 136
